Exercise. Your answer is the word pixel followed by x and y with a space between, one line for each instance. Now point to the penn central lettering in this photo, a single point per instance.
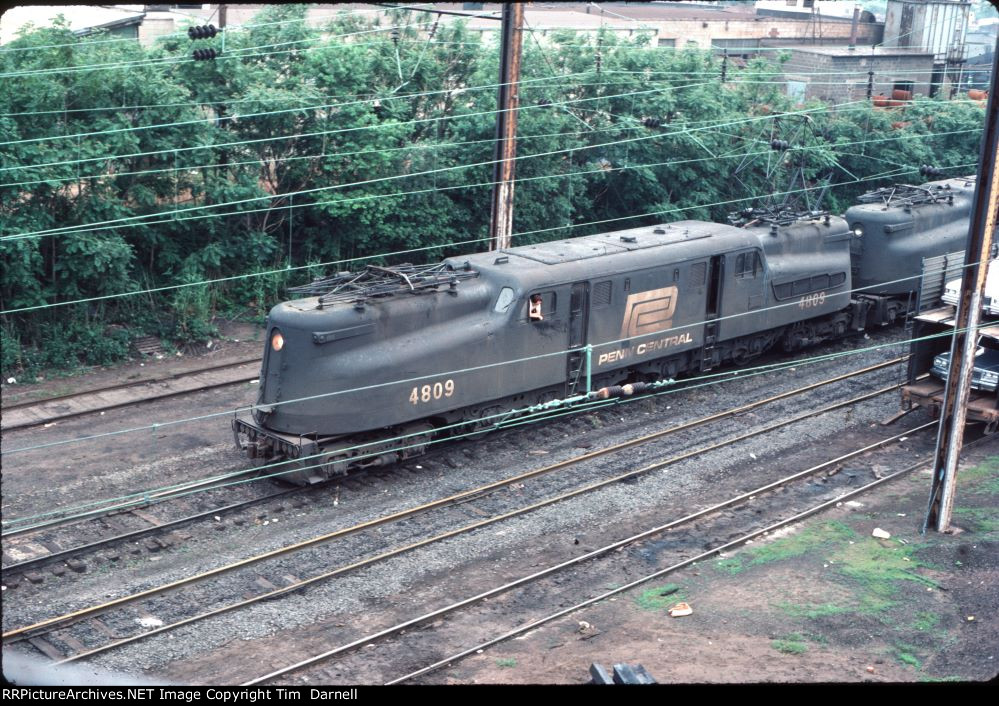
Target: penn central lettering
pixel 643 348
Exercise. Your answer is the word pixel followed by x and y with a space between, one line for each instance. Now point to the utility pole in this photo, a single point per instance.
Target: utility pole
pixel 953 412
pixel 501 225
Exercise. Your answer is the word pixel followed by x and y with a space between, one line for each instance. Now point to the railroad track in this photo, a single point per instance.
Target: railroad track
pixel 425 634
pixel 63 646
pixel 24 415
pixel 43 547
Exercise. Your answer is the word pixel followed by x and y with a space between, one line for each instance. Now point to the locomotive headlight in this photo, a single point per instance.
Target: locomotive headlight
pixel 858 230
pixel 277 341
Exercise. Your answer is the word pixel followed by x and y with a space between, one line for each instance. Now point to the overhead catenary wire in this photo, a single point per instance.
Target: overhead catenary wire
pixel 342 262
pixel 415 121
pixel 690 383
pixel 138 218
pixel 266 113
pixel 438 374
pixel 373 94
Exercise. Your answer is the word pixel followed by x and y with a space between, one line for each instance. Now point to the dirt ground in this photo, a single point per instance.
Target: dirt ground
pixel 824 601
pixel 236 341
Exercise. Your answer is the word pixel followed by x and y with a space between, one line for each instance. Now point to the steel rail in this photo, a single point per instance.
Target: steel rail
pixel 686 562
pixel 298 585
pixel 51 623
pixel 578 560
pixel 124 386
pixel 135 534
pixel 584 457
pixel 136 502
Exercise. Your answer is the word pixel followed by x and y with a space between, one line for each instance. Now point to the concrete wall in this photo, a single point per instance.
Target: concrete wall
pixel 845 77
pixel 701 32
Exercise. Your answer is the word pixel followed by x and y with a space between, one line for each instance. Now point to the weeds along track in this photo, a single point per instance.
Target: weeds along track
pixel 158 608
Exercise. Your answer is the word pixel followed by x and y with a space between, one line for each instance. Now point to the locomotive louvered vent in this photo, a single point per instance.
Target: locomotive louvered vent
pixel 697 273
pixel 601 294
pixel 374 281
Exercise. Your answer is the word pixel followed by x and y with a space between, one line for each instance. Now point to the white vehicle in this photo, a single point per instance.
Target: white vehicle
pixel 990 302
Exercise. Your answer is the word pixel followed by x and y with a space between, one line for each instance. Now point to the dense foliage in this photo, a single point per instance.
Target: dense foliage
pixel 305 146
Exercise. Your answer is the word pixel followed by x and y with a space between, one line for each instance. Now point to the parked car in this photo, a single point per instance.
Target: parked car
pixel 990 302
pixel 985 375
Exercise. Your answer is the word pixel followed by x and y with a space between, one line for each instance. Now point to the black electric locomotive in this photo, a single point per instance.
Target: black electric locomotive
pixel 415 352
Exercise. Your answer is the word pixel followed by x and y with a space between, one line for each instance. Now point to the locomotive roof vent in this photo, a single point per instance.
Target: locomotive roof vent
pixel 629 238
pixel 501 260
pixel 659 230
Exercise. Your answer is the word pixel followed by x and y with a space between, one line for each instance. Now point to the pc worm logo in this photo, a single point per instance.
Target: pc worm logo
pixel 649 312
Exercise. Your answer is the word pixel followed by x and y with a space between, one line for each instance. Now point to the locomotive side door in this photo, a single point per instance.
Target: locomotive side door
pixel 579 314
pixel 716 278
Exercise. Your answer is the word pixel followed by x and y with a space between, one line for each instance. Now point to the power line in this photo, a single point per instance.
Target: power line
pixel 171 215
pixel 429 247
pixel 438 374
pixel 244 116
pixel 87 226
pixel 323 132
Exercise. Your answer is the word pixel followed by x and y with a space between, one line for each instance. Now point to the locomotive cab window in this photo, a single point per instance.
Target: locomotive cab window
pixel 540 306
pixel 748 264
pixel 505 299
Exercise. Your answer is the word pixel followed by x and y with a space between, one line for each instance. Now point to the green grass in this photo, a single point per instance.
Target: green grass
pixel 904 654
pixel 506 662
pixel 824 535
pixel 978 519
pixel 660 598
pixel 876 568
pixel 791 645
pixel 812 610
pixel 984 476
pixel 926 620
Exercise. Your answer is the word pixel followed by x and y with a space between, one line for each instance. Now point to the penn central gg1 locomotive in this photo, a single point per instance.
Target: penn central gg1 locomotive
pixel 376 364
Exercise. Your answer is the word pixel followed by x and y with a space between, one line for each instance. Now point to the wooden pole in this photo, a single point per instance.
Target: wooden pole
pixel 501 224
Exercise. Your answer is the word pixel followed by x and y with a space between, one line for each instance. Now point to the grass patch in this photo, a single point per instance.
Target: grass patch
pixel 791 645
pixel 506 662
pixel 904 654
pixel 978 519
pixel 801 543
pixel 812 610
pixel 984 476
pixel 925 620
pixel 660 598
pixel 876 568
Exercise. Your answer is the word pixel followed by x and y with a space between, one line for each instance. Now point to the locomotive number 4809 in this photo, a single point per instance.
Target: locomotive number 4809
pixel 426 393
pixel 812 300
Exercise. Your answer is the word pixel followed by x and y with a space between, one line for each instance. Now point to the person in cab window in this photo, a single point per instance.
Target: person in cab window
pixel 535 310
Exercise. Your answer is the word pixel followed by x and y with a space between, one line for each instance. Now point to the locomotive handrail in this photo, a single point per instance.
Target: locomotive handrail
pixel 429 376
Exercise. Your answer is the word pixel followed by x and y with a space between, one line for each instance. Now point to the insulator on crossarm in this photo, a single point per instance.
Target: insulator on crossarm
pixel 205 54
pixel 779 145
pixel 202 32
pixel 929 171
